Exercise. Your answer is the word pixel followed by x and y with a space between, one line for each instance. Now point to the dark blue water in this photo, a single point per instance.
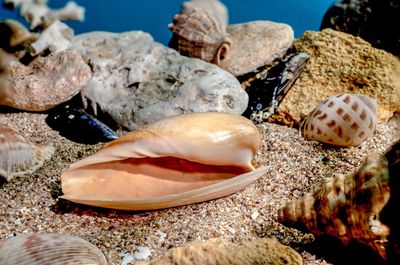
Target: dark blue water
pixel 153 16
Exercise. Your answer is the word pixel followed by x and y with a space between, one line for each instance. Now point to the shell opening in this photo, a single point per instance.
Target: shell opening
pixel 222 53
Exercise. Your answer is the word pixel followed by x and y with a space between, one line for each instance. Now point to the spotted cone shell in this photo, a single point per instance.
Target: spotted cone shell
pixel 342 120
pixel 18 156
pixel 175 161
pixel 361 207
pixel 200 33
pixel 49 248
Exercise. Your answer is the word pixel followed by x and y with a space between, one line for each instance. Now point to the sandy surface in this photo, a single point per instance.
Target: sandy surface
pixel 30 204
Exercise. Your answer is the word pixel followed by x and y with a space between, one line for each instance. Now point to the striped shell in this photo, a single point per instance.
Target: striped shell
pixel 18 156
pixel 49 248
pixel 199 33
pixel 341 120
pixel 358 207
pixel 175 161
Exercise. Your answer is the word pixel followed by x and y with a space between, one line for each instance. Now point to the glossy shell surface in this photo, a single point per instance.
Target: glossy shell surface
pixel 198 32
pixel 49 248
pixel 341 120
pixel 18 156
pixel 175 161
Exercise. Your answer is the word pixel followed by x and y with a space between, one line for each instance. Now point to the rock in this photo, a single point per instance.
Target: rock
pixel 342 63
pixel 137 80
pixel 373 20
pixel 256 44
pixel 217 251
pixel 44 83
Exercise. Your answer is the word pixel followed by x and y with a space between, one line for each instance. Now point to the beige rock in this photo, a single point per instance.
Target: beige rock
pixel 342 63
pixel 44 83
pixel 255 44
pixel 217 251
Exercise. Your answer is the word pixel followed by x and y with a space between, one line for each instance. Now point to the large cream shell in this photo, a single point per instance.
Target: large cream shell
pixel 199 33
pixel 49 248
pixel 18 156
pixel 342 120
pixel 174 161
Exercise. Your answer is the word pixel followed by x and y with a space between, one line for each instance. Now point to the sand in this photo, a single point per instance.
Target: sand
pixel 30 204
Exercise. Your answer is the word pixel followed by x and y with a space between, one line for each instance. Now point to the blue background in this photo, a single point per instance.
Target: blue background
pixel 153 16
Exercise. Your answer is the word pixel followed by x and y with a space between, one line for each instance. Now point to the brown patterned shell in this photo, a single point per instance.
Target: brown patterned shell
pixel 18 156
pixel 341 120
pixel 199 33
pixel 350 207
pixel 49 248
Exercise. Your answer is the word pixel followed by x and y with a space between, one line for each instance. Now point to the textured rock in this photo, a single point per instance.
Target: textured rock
pixel 341 63
pixel 255 44
pixel 217 251
pixel 44 83
pixel 137 80
pixel 375 21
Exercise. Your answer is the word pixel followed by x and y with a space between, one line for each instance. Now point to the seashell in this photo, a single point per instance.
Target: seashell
pixel 13 34
pixel 218 9
pixel 268 86
pixel 351 207
pixel 199 33
pixel 79 126
pixel 49 248
pixel 341 120
pixel 18 156
pixel 175 161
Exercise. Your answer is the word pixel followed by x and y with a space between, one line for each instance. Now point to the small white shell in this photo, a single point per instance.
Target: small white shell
pixel 199 33
pixel 175 161
pixel 49 248
pixel 18 156
pixel 341 120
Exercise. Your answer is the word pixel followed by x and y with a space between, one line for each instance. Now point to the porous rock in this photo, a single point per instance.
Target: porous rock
pixel 137 80
pixel 341 63
pixel 372 20
pixel 218 251
pixel 46 82
pixel 256 44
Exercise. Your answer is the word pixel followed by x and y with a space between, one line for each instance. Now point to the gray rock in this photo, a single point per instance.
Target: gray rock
pixel 137 80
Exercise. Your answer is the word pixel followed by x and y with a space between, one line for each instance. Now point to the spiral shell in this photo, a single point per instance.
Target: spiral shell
pixel 358 207
pixel 175 161
pixel 18 156
pixel 341 120
pixel 200 33
pixel 49 248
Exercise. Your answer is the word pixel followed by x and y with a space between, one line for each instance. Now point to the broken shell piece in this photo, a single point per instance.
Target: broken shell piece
pixel 198 33
pixel 349 207
pixel 13 33
pixel 217 251
pixel 49 248
pixel 18 156
pixel 342 120
pixel 56 38
pixel 175 161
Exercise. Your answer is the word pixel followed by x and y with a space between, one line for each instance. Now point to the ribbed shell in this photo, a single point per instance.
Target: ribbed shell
pixel 347 207
pixel 18 156
pixel 49 249
pixel 342 120
pixel 199 33
pixel 175 161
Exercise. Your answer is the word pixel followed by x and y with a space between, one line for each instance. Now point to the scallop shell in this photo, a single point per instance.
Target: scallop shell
pixel 49 248
pixel 175 161
pixel 358 207
pixel 199 33
pixel 341 120
pixel 18 156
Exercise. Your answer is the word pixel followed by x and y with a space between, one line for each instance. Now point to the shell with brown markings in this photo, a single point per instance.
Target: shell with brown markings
pixel 175 161
pixel 341 120
pixel 49 248
pixel 18 156
pixel 200 33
